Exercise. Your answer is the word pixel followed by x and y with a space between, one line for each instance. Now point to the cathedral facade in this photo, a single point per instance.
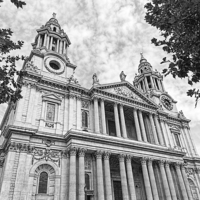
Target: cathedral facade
pixel 115 141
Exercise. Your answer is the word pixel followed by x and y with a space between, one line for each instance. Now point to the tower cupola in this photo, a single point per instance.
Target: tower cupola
pixel 148 79
pixel 51 38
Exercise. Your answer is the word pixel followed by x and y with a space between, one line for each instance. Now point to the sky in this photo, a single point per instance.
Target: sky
pixel 106 38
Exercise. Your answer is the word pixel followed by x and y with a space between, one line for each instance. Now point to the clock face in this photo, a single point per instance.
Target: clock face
pixel 167 102
pixel 54 65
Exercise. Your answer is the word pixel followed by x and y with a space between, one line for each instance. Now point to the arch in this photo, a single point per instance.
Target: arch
pixel 41 162
pixel 43 183
pixel 193 188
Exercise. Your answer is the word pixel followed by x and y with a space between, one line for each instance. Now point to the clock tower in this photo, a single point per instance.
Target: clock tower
pixel 49 52
pixel 150 82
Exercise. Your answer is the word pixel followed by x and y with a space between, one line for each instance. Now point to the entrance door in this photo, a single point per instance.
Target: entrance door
pixel 117 190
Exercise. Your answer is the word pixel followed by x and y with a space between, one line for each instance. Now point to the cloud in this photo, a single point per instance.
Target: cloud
pixel 106 37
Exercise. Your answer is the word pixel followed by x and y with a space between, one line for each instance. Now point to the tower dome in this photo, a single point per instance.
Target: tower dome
pixel 144 65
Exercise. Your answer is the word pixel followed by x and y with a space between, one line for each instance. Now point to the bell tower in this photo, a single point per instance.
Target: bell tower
pixel 49 52
pixel 150 82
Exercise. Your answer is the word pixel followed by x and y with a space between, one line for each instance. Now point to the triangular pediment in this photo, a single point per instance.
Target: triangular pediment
pixel 51 97
pixel 125 89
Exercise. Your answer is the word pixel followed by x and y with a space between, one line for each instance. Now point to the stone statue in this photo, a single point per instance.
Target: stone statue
pixel 31 67
pixel 95 79
pixel 181 115
pixel 122 76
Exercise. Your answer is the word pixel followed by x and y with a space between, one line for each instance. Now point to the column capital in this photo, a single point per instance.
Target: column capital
pixel 167 163
pixel 72 151
pixel 116 103
pixel 71 96
pixel 150 161
pixel 128 158
pixel 177 164
pixel 98 154
pixel 95 98
pixel 65 154
pixel 161 162
pixel 121 157
pixel 81 152
pixel 144 160
pixel 106 155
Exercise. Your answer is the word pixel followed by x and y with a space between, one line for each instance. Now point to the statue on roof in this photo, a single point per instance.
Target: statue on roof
pixel 95 79
pixel 54 15
pixel 122 76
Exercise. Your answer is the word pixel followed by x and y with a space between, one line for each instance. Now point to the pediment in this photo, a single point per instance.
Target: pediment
pixel 125 89
pixel 51 97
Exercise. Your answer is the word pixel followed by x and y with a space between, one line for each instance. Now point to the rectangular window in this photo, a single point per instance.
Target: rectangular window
pixel 111 127
pixel 177 140
pixel 50 114
pixel 85 119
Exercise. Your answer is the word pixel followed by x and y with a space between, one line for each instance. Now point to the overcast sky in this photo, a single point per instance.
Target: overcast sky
pixel 107 37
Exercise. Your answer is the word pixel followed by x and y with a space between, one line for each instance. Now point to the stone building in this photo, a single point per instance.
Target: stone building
pixel 116 141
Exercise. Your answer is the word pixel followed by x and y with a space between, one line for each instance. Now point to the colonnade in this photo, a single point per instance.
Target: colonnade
pixel 104 182
pixel 48 43
pixel 153 80
pixel 120 123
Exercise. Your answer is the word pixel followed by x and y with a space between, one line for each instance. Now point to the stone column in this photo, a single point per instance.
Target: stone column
pixel 100 186
pixel 164 179
pixel 103 117
pixel 38 41
pixel 152 180
pixel 72 174
pixel 78 117
pixel 191 142
pixel 169 135
pixel 162 85
pixel 108 186
pixel 142 126
pixel 117 125
pixel 146 180
pixel 159 83
pixel 71 111
pixel 57 46
pixel 123 177
pixel 186 182
pixel 64 47
pixel 160 137
pixel 131 184
pixel 146 83
pixel 181 182
pixel 61 47
pixel 170 181
pixel 186 141
pixel 153 128
pixel 137 125
pixel 96 116
pixel 81 174
pixel 124 133
pixel 51 41
pixel 45 39
pixel 152 85
pixel 47 43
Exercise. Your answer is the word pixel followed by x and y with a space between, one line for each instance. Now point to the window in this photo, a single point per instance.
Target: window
pixel 43 180
pixel 50 114
pixel 54 29
pixel 84 119
pixel 149 81
pixel 111 127
pixel 87 181
pixel 176 136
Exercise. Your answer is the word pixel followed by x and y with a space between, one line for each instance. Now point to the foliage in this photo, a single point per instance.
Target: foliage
pixel 10 89
pixel 179 25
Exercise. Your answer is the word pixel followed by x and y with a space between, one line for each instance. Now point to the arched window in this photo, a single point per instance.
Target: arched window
pixel 54 29
pixel 43 181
